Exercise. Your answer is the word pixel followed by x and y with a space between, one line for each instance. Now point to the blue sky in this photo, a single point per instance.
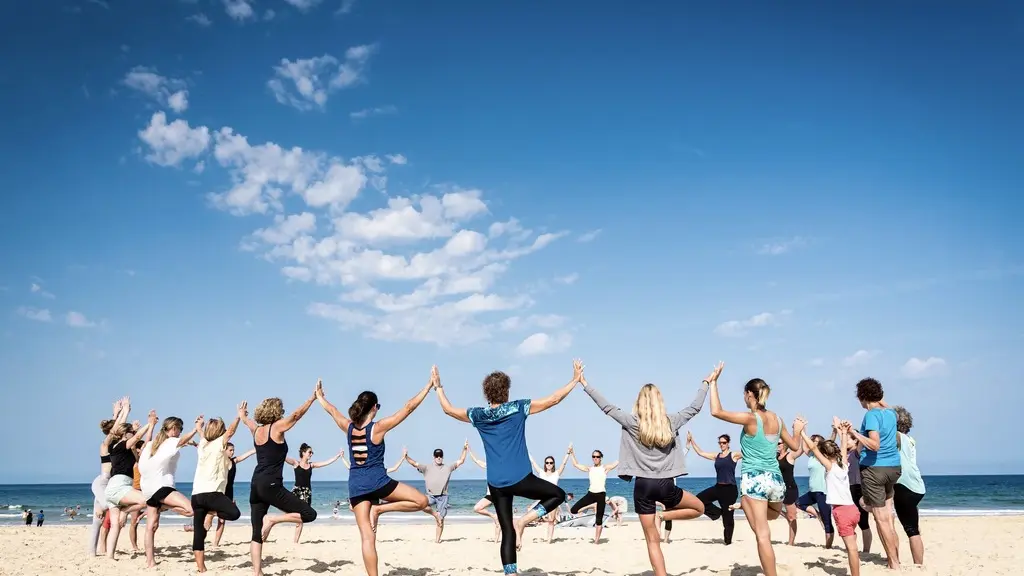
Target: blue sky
pixel 219 200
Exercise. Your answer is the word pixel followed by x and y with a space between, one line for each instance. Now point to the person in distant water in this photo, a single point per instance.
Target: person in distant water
pixel 267 486
pixel 303 487
pixel 596 494
pixel 815 501
pixel 553 475
pixel 368 480
pixel 39 519
pixel 502 428
pixel 879 463
pixel 909 489
pixel 762 488
pixel 481 506
pixel 211 480
pixel 724 491
pixel 653 454
pixel 229 489
pixel 27 515
pixel 786 458
pixel 436 476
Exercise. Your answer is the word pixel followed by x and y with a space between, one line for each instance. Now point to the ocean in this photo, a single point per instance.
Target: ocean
pixel 947 496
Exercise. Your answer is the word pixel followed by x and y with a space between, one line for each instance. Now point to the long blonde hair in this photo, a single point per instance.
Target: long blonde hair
pixel 169 424
pixel 655 428
pixel 214 429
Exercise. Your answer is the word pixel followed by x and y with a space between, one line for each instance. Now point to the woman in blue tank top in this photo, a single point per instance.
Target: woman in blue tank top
pixel 762 487
pixel 724 491
pixel 368 480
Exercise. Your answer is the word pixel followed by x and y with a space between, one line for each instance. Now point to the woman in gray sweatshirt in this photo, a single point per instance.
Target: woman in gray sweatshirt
pixel 652 452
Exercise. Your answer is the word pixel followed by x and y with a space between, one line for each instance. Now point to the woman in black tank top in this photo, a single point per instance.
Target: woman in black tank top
pixel 724 492
pixel 786 460
pixel 267 488
pixel 303 487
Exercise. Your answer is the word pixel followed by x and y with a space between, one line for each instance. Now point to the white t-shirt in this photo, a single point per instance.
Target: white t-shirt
pixel 550 477
pixel 211 467
pixel 598 475
pixel 157 470
pixel 837 486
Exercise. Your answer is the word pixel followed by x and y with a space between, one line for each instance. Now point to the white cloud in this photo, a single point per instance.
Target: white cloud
pixel 200 19
pixel 172 143
pixel 35 288
pixel 397 159
pixel 777 247
pixel 306 83
pixel 568 279
pixel 378 111
pixel 544 343
pixel 304 5
pixel 816 362
pixel 239 9
pixel 519 323
pixel 733 328
pixel 589 236
pixel 860 357
pixel 169 92
pixel 916 369
pixel 37 314
pixel 346 7
pixel 78 320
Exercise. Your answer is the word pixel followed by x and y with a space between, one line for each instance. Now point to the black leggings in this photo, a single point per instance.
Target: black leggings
pixel 263 495
pixel 856 493
pixel 533 488
pixel 906 503
pixel 725 495
pixel 203 504
pixel 591 498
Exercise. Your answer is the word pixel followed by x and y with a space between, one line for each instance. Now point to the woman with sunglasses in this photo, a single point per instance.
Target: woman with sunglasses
pixel 303 486
pixel 553 475
pixel 596 494
pixel 724 491
pixel 368 480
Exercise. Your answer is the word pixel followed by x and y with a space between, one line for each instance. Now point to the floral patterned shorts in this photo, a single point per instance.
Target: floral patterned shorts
pixel 763 486
pixel 304 494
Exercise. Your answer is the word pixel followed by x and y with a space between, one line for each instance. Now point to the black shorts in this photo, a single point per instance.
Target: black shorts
pixel 489 498
pixel 157 499
pixel 376 496
pixel 647 492
pixel 791 496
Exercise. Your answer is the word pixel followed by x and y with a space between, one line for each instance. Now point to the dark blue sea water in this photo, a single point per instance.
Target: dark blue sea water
pixel 947 495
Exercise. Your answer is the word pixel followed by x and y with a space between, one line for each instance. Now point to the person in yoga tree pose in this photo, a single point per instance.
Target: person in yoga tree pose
pixel 815 501
pixel 502 428
pixel 122 498
pixel 267 486
pixel 724 491
pixel 553 475
pixel 596 493
pixel 652 453
pixel 436 476
pixel 368 480
pixel 99 484
pixel 229 488
pixel 303 487
pixel 157 466
pixel 853 460
pixel 909 489
pixel 481 506
pixel 786 458
pixel 762 488
pixel 211 480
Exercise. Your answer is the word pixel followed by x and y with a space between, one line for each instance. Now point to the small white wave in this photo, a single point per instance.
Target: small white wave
pixel 14 506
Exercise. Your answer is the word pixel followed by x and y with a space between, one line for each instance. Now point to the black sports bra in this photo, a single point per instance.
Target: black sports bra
pixel 105 459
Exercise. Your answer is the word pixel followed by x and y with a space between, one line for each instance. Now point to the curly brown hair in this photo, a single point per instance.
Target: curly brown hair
pixel 869 390
pixel 904 421
pixel 269 411
pixel 496 386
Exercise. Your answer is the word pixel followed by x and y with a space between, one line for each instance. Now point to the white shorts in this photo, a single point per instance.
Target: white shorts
pixel 117 488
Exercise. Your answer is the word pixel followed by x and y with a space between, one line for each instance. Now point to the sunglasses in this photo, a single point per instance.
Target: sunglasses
pixel 549 462
pixel 595 456
pixel 378 406
pixel 722 442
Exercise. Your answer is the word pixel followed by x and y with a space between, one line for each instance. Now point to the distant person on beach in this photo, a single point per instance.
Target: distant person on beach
pixel 267 487
pixel 481 506
pixel 724 491
pixel 596 493
pixel 303 486
pixel 815 501
pixel 786 458
pixel 880 463
pixel 121 496
pixel 211 480
pixel 652 454
pixel 27 516
pixel 762 488
pixel 368 480
pixel 837 489
pixel 552 474
pixel 436 476
pixel 502 427
pixel 158 465
pixel 909 489
pixel 39 519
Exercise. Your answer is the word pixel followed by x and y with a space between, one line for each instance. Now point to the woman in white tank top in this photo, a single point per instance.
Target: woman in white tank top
pixel 550 474
pixel 595 496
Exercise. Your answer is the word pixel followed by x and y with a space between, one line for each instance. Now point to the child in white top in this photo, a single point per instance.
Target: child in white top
pixel 837 489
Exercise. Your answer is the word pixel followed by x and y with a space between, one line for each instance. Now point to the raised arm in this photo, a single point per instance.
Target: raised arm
pixel 798 428
pixel 292 419
pixel 477 461
pixel 541 404
pixel 243 415
pixel 413 463
pixel 696 448
pixel 131 439
pixel 232 428
pixel 393 469
pixel 398 417
pixel 291 461
pixel 814 450
pixel 843 442
pixel 575 464
pixel 339 418
pixel 460 414
pixel 620 416
pixel 536 469
pixel 679 419
pixel 187 438
pixel 611 466
pixel 462 457
pixel 565 460
pixel 245 456
pixel 741 418
pixel 328 462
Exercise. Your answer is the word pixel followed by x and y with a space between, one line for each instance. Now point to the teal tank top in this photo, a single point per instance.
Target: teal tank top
pixel 760 450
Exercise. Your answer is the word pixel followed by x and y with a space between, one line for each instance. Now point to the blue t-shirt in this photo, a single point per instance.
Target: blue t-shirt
pixel 503 432
pixel 882 420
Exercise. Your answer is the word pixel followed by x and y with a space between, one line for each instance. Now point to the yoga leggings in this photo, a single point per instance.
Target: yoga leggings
pixel 263 495
pixel 906 503
pixel 532 488
pixel 203 504
pixel 725 495
pixel 855 492
pixel 591 498
pixel 817 499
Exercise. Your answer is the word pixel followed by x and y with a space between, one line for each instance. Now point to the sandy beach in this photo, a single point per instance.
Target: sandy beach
pixel 954 546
